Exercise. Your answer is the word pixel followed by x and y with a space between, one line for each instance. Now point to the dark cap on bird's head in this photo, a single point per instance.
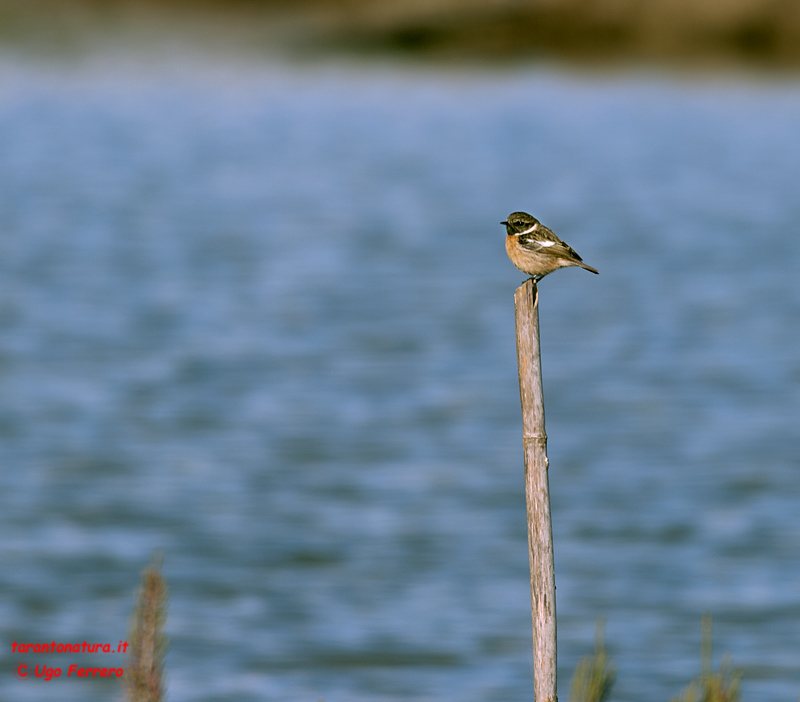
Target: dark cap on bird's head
pixel 518 222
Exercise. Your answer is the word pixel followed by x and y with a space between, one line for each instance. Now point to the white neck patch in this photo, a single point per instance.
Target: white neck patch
pixel 528 230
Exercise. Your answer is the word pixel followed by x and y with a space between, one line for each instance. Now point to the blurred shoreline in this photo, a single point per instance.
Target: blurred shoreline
pixel 745 32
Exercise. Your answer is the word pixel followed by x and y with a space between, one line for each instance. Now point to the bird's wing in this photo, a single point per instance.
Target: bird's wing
pixel 543 240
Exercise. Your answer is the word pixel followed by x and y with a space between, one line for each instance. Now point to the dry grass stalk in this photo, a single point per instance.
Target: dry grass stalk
pixel 145 674
pixel 722 686
pixel 594 677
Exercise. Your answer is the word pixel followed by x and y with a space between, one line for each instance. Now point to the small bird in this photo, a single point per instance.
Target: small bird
pixel 535 249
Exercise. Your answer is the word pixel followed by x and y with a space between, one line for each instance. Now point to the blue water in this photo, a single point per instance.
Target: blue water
pixel 260 317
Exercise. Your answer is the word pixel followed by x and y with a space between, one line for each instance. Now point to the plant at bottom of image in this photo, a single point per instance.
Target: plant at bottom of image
pixel 594 676
pixel 710 686
pixel 145 674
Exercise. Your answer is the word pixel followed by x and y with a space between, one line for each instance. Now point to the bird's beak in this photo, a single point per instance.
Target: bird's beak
pixel 503 222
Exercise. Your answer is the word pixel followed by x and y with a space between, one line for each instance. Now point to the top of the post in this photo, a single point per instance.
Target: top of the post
pixel 529 289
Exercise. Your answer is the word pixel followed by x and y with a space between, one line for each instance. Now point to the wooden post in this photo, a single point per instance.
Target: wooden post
pixel 537 493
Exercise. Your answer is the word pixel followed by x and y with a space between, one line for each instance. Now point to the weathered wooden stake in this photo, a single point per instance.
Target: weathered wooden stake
pixel 537 493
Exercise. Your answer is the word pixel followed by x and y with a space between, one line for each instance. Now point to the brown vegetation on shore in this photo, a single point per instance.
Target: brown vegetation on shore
pixel 752 31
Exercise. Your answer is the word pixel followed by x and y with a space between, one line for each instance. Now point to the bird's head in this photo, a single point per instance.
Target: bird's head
pixel 518 222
